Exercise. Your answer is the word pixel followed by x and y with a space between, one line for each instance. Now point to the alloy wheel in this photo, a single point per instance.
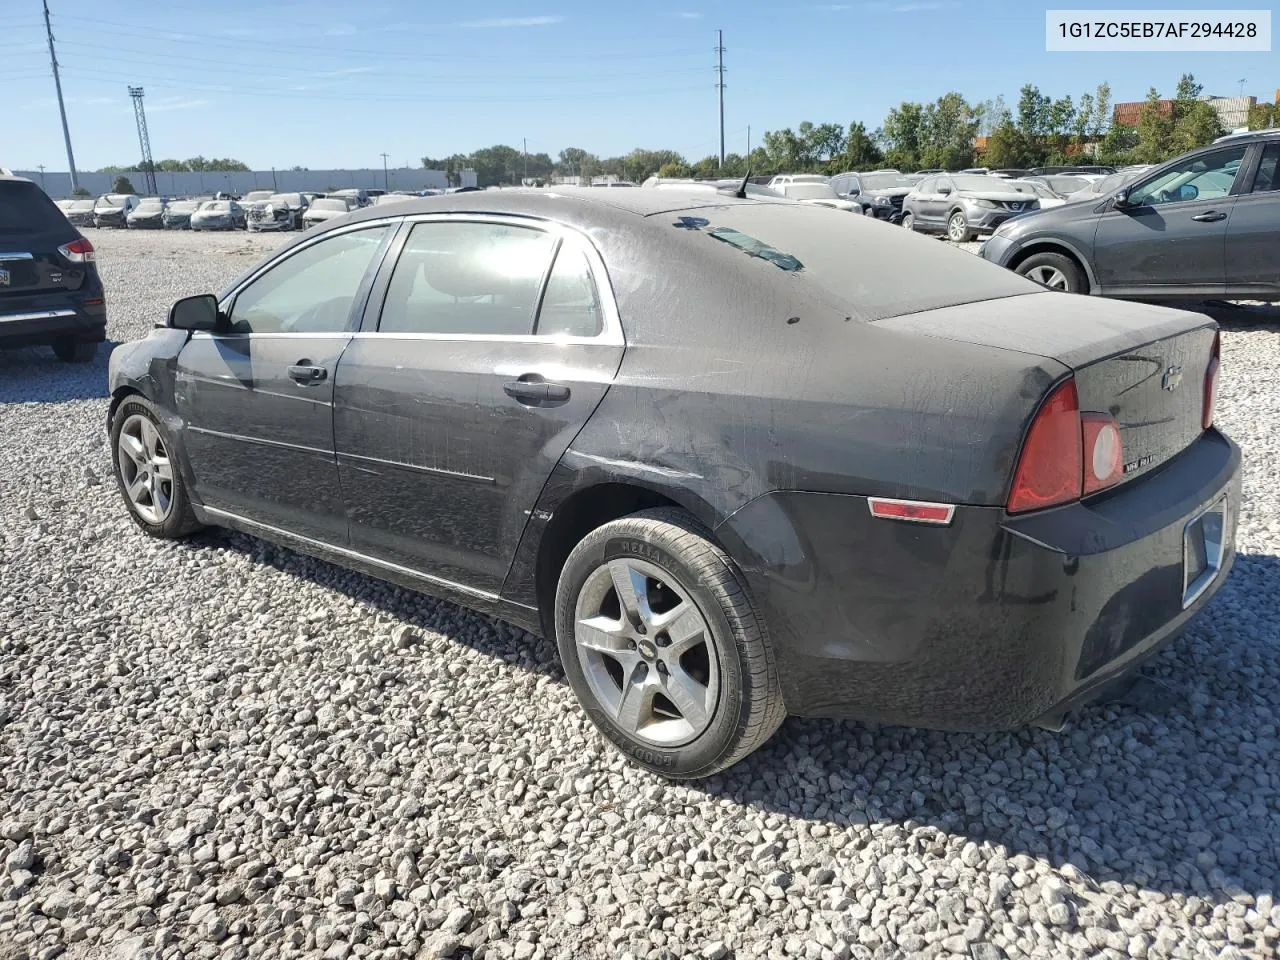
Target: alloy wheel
pixel 958 228
pixel 145 469
pixel 1051 277
pixel 647 653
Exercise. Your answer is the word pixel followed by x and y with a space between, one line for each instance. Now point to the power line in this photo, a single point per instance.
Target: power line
pixel 57 82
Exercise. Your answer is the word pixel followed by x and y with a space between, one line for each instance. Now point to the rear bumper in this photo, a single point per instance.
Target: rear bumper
pixel 39 321
pixel 988 623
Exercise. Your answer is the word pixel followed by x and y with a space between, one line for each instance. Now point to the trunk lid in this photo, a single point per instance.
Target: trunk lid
pixel 1142 364
pixel 31 230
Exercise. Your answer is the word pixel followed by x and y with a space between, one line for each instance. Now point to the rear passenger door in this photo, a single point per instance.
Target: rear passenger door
pixel 1253 232
pixel 487 344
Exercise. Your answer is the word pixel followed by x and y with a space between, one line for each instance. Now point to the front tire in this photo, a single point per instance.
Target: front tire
pixel 663 648
pixel 958 228
pixel 1055 271
pixel 147 472
pixel 909 221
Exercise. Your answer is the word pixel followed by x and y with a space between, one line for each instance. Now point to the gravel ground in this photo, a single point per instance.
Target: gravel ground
pixel 222 749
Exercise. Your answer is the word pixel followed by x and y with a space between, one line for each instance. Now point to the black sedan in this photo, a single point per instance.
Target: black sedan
pixel 714 445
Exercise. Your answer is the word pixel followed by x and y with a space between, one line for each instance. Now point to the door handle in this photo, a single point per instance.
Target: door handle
pixel 304 373
pixel 536 391
pixel 1210 216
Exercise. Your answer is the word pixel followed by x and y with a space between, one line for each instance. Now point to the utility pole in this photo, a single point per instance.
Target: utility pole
pixel 524 141
pixel 386 183
pixel 144 141
pixel 274 186
pixel 748 141
pixel 40 167
pixel 720 86
pixel 57 83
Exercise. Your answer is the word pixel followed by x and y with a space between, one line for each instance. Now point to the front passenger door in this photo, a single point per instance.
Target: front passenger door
pixel 257 400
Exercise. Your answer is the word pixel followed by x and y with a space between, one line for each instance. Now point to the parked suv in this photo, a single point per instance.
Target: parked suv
pixel 878 195
pixel 50 292
pixel 962 205
pixel 1204 225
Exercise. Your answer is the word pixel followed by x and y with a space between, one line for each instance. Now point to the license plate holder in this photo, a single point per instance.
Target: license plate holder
pixel 1203 546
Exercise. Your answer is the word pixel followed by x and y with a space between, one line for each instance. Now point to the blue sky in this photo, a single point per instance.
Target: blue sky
pixel 327 84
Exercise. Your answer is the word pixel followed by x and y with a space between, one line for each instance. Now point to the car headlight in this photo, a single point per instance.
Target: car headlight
pixel 882 201
pixel 986 204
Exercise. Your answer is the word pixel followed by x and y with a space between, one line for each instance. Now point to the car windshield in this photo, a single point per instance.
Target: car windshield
pixel 848 262
pixel 1065 185
pixel 183 206
pixel 81 205
pixel 977 181
pixel 810 191
pixel 111 200
pixel 884 181
pixel 330 203
pixel 254 195
pixel 219 206
pixel 150 206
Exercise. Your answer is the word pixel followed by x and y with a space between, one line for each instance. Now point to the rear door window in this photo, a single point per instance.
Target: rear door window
pixel 1268 176
pixel 24 208
pixel 463 278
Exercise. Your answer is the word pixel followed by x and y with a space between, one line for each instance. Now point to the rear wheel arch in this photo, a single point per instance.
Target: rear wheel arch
pixel 1061 249
pixel 584 511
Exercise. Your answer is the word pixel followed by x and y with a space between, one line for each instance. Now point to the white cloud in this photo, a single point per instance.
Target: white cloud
pixel 498 22
pixel 688 16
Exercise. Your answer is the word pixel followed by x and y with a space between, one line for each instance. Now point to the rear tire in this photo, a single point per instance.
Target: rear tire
pixel 75 351
pixel 1055 271
pixel 686 703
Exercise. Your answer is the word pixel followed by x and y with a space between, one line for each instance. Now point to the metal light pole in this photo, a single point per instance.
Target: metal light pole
pixel 386 183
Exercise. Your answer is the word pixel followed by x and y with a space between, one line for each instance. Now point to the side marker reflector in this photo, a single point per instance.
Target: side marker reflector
pixel 916 511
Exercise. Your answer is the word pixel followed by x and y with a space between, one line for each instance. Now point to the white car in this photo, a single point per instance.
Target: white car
pixel 820 194
pixel 783 179
pixel 113 209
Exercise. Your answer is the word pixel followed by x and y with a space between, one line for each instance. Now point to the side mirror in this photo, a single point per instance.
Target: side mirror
pixel 855 192
pixel 944 190
pixel 196 313
pixel 1122 198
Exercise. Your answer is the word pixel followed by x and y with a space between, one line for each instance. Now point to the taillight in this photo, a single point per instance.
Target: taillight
pixel 1049 469
pixel 1103 452
pixel 1211 382
pixel 1067 454
pixel 77 251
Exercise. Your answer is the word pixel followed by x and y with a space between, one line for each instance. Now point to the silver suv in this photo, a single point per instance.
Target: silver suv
pixel 963 205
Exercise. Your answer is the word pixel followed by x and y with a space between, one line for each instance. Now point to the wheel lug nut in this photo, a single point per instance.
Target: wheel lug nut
pixel 640 629
pixel 631 644
pixel 662 668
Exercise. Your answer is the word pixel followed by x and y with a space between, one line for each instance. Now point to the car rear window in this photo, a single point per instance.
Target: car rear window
pixel 25 208
pixel 863 267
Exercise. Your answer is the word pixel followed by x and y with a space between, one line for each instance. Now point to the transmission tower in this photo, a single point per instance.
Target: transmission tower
pixel 144 141
pixel 720 86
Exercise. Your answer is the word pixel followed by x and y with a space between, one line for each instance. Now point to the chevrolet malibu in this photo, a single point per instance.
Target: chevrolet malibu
pixel 711 444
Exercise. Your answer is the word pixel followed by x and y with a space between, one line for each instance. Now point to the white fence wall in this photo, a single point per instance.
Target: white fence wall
pixel 195 184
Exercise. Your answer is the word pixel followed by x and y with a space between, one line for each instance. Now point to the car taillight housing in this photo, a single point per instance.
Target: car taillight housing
pixel 1211 382
pixel 78 251
pixel 1066 455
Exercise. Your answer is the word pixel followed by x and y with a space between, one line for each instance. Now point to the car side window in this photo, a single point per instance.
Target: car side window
pixel 467 278
pixel 311 291
pixel 570 304
pixel 1268 176
pixel 1205 177
pixel 926 185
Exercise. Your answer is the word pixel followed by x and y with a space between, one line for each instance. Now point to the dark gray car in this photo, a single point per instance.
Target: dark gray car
pixel 1204 225
pixel 964 205
pixel 713 445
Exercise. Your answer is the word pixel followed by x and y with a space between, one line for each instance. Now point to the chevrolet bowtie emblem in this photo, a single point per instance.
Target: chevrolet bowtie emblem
pixel 1172 377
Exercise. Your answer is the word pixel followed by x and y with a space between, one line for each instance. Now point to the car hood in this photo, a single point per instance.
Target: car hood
pixel 833 203
pixel 211 215
pixel 887 192
pixel 1073 221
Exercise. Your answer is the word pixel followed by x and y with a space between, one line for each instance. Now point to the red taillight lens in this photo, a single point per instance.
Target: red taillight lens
pixel 1049 470
pixel 1211 382
pixel 1103 452
pixel 77 251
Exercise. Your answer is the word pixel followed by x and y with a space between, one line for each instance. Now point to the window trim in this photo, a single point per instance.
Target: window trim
pixel 611 329
pixel 1233 191
pixel 226 302
pixel 1255 167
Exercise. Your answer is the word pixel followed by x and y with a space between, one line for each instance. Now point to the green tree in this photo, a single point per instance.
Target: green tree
pixel 670 169
pixel 784 149
pixel 1118 145
pixel 1155 130
pixel 1080 123
pixel 860 149
pixel 708 168
pixel 122 185
pixel 993 114
pixel 735 165
pixel 1101 118
pixel 1195 123
pixel 903 136
pixel 80 193
pixel 948 128
pixel 1006 146
pixel 1263 116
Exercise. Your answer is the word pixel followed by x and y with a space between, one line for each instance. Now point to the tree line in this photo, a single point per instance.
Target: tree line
pixel 1037 131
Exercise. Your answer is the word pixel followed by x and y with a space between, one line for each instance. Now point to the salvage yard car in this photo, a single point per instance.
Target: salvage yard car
pixel 218 215
pixel 713 445
pixel 147 215
pixel 279 211
pixel 1204 225
pixel 325 208
pixel 80 213
pixel 113 209
pixel 50 291
pixel 177 214
pixel 963 205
